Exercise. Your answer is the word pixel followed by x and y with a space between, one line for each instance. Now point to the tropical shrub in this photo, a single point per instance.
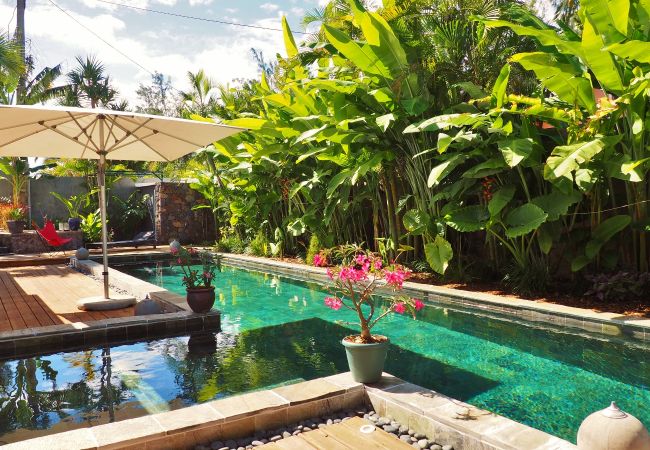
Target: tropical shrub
pixel 313 249
pixel 91 226
pixel 259 246
pixel 231 244
pixel 496 139
pixel 75 204
pixel 5 207
pixel 619 286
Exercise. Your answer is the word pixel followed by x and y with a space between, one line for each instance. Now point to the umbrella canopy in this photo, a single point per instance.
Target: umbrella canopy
pixel 52 132
pixel 57 132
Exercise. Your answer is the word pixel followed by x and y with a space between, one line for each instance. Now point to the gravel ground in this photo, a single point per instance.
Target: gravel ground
pixel 415 439
pixel 100 280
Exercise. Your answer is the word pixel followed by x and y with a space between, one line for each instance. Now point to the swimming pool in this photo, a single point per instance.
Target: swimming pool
pixel 550 379
pixel 277 331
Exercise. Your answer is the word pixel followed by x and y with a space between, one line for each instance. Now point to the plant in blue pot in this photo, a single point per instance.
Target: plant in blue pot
pixel 353 287
pixel 75 205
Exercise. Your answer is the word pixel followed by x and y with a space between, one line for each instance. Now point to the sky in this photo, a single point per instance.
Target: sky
pixel 170 45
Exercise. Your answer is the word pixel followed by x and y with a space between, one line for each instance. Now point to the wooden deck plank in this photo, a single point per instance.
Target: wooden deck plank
pixel 33 296
pixel 341 436
pixel 378 439
pixel 294 443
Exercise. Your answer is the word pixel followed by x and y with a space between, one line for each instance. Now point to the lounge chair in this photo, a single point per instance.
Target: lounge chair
pixel 141 239
pixel 50 238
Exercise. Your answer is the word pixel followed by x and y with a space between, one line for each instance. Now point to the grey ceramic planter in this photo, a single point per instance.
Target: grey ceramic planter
pixel 366 361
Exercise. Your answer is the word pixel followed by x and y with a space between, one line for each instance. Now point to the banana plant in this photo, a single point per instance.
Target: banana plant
pixel 603 77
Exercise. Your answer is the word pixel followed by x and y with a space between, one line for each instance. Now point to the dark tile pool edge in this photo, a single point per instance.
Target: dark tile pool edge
pixel 423 410
pixel 607 324
pixel 78 335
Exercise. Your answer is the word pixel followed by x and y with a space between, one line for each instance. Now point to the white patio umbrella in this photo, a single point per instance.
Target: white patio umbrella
pixel 56 132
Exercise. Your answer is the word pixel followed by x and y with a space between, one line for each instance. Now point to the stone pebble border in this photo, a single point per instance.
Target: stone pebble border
pixel 399 431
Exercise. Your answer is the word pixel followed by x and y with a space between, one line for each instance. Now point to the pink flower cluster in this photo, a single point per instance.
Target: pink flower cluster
pixel 400 307
pixel 320 260
pixel 397 276
pixel 333 302
pixel 352 274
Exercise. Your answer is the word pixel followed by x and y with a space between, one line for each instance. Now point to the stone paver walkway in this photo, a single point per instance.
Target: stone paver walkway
pixel 34 296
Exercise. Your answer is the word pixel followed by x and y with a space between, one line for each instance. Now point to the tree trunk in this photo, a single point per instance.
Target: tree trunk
pixel 20 37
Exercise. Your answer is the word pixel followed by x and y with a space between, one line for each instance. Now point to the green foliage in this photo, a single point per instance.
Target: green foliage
pixel 75 204
pixel 259 246
pixel 619 286
pixel 313 249
pixel 409 126
pixel 91 226
pixel 231 244
pixel 128 215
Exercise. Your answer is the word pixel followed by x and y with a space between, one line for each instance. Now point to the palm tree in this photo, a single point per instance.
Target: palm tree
pixel 38 89
pixel 11 64
pixel 89 85
pixel 200 100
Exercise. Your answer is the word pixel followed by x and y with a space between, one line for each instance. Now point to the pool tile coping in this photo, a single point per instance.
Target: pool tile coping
pixel 421 409
pixel 609 324
pixel 78 335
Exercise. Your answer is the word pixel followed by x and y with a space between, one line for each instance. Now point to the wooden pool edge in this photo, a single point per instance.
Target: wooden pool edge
pixel 177 319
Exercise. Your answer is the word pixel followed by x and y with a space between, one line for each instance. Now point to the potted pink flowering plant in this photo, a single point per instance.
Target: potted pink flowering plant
pixel 353 286
pixel 197 281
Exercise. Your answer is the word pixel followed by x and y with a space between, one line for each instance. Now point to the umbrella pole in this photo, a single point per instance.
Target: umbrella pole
pixel 101 181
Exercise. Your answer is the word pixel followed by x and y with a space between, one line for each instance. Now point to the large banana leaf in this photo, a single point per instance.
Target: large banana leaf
pixel 565 159
pixel 547 36
pixel 556 204
pixel 379 34
pixel 524 219
pixel 601 62
pixel 562 79
pixel 609 17
pixel 500 199
pixel 635 50
pixel 515 151
pixel 363 57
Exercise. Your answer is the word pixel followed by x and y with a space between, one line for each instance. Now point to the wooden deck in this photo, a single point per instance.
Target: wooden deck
pixel 341 436
pixel 35 296
pixel 41 259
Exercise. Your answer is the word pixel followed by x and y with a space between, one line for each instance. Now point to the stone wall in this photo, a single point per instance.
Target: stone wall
pixel 29 242
pixel 175 217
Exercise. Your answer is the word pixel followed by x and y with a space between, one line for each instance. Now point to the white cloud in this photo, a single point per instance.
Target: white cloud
pixel 231 10
pixel 200 2
pixel 269 6
pixel 93 4
pixel 298 11
pixel 173 51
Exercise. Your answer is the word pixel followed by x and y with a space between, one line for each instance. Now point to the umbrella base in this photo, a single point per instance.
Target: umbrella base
pixel 99 303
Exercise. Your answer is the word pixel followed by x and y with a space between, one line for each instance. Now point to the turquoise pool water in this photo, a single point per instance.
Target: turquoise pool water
pixel 548 379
